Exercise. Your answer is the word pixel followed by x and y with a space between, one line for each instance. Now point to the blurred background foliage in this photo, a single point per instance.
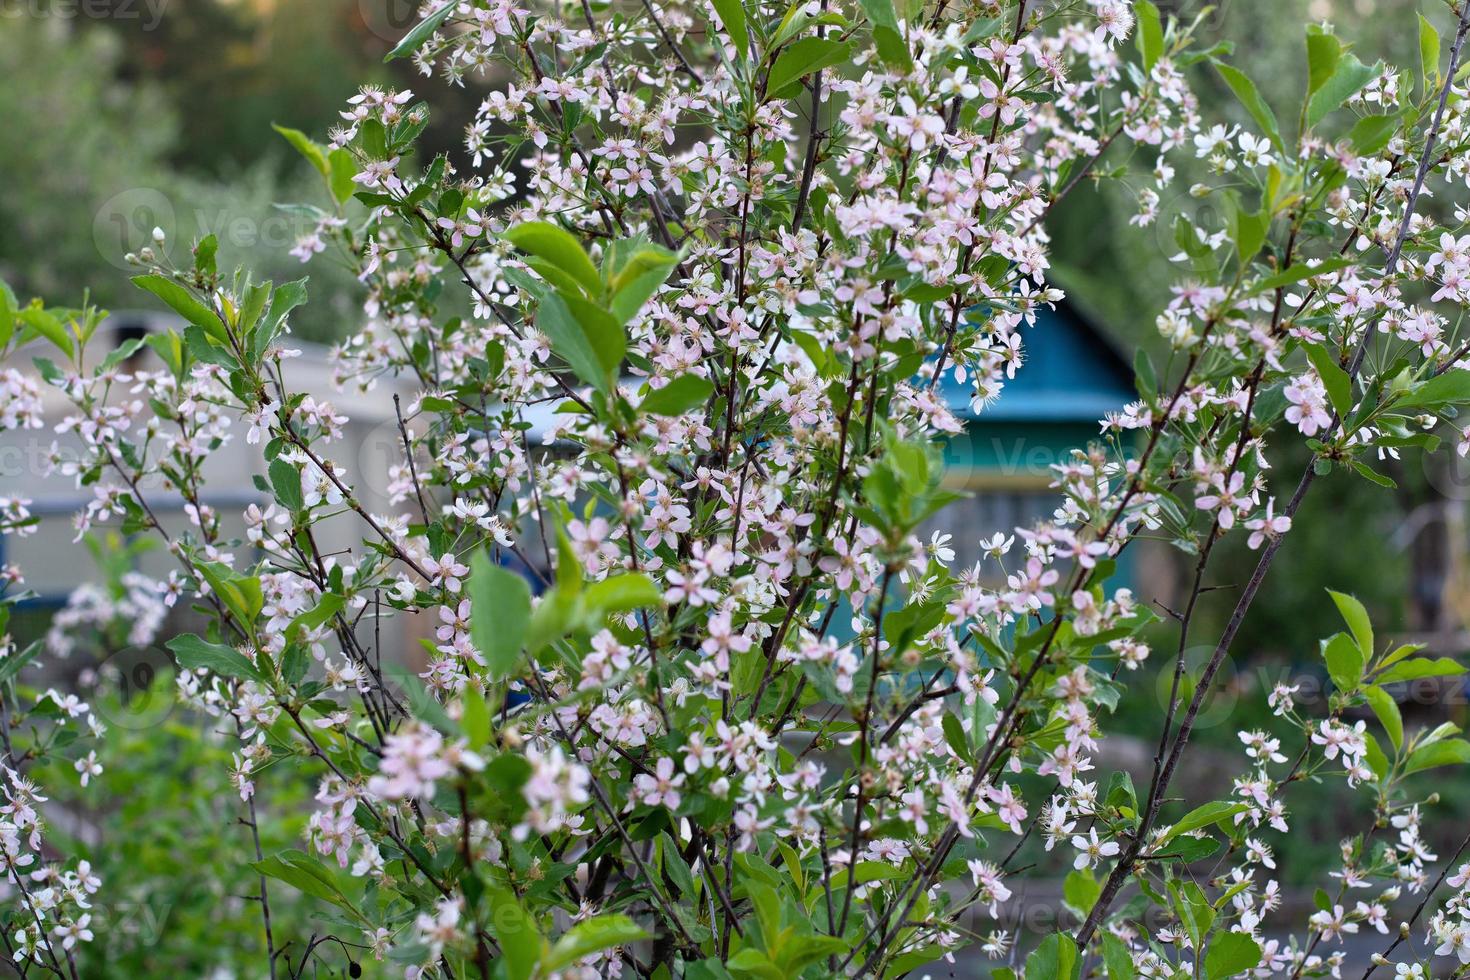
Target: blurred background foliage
pixel 161 114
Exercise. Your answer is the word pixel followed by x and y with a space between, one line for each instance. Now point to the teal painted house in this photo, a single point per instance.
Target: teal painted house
pixel 1071 378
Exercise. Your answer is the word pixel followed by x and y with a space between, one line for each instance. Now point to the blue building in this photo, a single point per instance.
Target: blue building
pixel 1071 378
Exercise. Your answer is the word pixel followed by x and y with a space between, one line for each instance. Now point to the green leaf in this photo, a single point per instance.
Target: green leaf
pixel 1450 752
pixel 1373 752
pixel 169 347
pixel 474 716
pixel 732 19
pixel 554 277
pixel 887 37
pixel 1339 386
pixel 307 875
pixel 372 136
pixel 1371 475
pixel 1193 908
pixel 954 734
pixel 1245 91
pixel 182 302
pixel 1145 379
pixel 1301 271
pixel 1231 953
pixel 244 589
pixel 294 662
pixel 557 246
pixel 1150 36
pixel 192 652
pixel 569 576
pixel 1189 849
pixel 306 147
pixel 1441 731
pixel 1369 135
pixel 1399 653
pixel 751 962
pixel 342 169
pixel 422 32
pixel 868 871
pixel 791 862
pixel 520 941
pixel 1202 816
pixel 638 279
pixel 685 392
pixel 591 936
pixel 1413 670
pixel 608 338
pixel 286 482
pixel 1121 792
pixel 329 605
pixel 1345 661
pixel 907 963
pixel 40 323
pixel 1081 890
pixel 1428 53
pixel 13 664
pixel 822 359
pixel 257 294
pixel 1450 388
pixel 1323 52
pixel 767 909
pixel 204 255
pixel 570 342
pixel 1389 716
pixel 500 612
pixel 800 951
pixel 9 308
pixel 1350 76
pixel 286 298
pixel 1356 617
pixel 1055 958
pixel 803 57
pixel 1116 957
pixel 622 593
pixel 1249 230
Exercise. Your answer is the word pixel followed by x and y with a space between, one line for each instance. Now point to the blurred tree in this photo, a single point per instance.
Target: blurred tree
pixel 88 177
pixel 293 62
pixel 75 138
pixel 260 62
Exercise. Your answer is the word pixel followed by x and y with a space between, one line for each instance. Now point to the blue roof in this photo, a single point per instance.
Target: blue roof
pixel 1070 374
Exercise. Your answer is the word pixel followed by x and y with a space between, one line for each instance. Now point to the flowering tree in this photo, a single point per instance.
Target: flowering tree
pixel 749 724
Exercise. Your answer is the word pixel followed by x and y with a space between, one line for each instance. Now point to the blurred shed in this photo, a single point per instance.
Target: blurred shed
pixel 54 563
pixel 1072 376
